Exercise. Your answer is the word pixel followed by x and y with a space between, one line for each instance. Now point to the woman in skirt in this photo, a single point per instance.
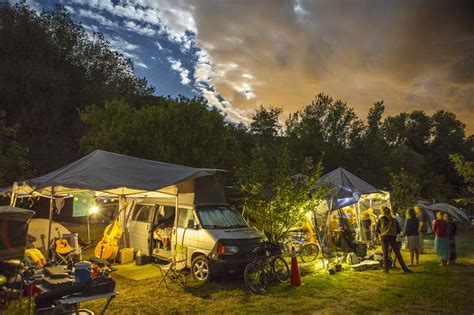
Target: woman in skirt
pixel 412 234
pixel 440 229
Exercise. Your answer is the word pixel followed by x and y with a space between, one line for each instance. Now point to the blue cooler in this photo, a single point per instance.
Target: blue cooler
pixel 82 271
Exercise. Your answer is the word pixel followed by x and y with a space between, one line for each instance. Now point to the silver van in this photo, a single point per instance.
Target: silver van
pixel 216 239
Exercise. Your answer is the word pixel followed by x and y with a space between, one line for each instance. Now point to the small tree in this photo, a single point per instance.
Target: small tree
pixel 277 199
pixel 465 169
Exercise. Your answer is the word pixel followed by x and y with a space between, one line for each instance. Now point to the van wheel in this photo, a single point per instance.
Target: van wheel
pixel 200 269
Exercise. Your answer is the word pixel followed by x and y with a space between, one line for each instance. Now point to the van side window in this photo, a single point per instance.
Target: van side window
pixel 142 213
pixel 184 216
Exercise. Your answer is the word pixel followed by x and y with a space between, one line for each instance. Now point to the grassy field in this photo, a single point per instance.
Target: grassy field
pixel 430 288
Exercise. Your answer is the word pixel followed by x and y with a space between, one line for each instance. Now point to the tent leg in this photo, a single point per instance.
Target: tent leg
pixel 176 223
pixel 50 221
pixel 88 231
pixel 359 224
pixel 12 200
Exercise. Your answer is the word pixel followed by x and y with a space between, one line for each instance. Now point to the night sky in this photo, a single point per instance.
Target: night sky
pixel 414 55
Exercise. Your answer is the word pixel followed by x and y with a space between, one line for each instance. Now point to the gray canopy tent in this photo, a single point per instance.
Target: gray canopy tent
pixel 112 174
pixel 346 190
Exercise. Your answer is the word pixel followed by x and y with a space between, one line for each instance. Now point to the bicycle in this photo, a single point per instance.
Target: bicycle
pixel 268 267
pixel 306 250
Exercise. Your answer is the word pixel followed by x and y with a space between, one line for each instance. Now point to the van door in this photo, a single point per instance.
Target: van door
pixel 187 236
pixel 139 228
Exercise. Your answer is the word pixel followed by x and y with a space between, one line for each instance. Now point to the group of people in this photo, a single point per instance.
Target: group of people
pixel 390 227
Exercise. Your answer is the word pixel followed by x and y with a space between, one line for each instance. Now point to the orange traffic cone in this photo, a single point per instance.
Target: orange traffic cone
pixel 295 271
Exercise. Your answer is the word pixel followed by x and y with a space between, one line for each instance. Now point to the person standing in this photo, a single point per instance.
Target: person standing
pixel 452 232
pixel 387 228
pixel 423 224
pixel 412 234
pixel 440 229
pixel 401 222
pixel 366 228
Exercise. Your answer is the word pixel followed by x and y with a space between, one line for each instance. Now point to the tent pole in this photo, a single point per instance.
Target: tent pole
pixel 359 225
pixel 176 222
pixel 88 231
pixel 51 205
pixel 13 200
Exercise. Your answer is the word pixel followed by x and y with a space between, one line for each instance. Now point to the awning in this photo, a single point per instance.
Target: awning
pixel 112 174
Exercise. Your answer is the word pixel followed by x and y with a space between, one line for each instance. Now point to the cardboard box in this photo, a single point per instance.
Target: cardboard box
pixel 126 255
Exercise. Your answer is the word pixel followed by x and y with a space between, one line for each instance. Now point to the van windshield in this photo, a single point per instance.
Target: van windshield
pixel 219 217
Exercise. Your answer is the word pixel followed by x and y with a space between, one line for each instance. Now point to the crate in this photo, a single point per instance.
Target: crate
pixel 126 255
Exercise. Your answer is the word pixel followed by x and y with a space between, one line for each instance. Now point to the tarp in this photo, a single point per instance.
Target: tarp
pixel 113 174
pixel 346 188
pixel 13 231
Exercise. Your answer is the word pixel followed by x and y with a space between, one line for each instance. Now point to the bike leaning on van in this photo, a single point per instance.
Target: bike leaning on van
pixel 268 267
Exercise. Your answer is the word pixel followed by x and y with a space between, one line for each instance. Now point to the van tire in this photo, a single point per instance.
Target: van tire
pixel 200 269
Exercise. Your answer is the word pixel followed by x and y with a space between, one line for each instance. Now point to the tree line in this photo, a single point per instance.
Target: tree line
pixel 65 93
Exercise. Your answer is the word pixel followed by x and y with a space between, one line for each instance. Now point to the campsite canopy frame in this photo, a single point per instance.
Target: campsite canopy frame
pixel 110 174
pixel 346 190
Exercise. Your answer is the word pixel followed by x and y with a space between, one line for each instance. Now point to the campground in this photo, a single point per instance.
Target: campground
pixel 430 289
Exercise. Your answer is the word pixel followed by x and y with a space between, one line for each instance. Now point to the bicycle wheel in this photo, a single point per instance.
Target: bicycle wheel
pixel 309 252
pixel 280 269
pixel 255 277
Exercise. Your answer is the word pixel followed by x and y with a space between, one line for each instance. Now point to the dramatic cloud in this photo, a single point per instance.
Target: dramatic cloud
pixel 413 55
pixel 239 54
pixel 183 73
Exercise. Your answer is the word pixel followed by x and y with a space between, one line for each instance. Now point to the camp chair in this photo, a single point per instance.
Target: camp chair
pixel 175 273
pixel 70 249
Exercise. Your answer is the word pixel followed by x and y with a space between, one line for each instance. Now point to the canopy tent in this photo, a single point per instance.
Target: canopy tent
pixel 111 174
pixel 375 200
pixel 13 232
pixel 346 189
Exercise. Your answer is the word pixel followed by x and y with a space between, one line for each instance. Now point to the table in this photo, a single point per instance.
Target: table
pixel 74 301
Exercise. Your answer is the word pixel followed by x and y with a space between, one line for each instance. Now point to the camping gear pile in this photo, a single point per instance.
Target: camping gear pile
pixel 21 275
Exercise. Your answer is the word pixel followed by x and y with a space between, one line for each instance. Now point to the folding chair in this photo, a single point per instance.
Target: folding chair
pixel 175 273
pixel 63 257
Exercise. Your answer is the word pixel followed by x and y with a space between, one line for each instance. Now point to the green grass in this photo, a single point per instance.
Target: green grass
pixel 430 289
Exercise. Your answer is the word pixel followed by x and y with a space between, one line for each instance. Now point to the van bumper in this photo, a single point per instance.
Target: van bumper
pixel 229 264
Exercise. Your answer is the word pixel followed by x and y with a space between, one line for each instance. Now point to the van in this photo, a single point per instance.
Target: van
pixel 216 238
